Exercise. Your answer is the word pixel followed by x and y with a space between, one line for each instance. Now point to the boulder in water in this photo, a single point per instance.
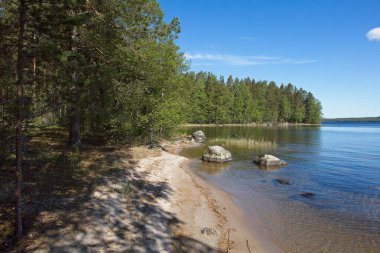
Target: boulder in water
pixel 269 161
pixel 217 154
pixel 199 136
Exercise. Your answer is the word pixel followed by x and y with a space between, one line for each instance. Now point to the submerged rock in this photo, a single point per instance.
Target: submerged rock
pixel 199 136
pixel 282 181
pixel 216 154
pixel 208 232
pixel 307 194
pixel 269 161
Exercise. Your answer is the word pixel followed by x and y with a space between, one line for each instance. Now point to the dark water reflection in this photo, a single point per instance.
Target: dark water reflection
pixel 339 163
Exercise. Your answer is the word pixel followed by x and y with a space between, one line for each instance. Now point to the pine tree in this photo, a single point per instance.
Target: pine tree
pixel 198 102
pixel 312 109
pixel 272 103
pixel 298 106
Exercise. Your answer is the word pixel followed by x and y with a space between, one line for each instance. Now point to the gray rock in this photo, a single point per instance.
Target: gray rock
pixel 154 144
pixel 269 161
pixel 199 136
pixel 208 232
pixel 217 154
pixel 164 147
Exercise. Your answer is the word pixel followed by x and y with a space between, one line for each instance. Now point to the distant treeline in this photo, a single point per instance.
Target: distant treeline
pixel 215 100
pixel 364 119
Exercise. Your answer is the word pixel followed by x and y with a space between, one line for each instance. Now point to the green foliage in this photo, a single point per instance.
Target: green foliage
pixel 210 100
pixel 285 110
pixel 113 64
pixel 312 109
pixel 127 188
pixel 198 99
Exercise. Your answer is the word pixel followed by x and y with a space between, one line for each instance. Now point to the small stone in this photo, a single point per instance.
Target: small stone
pixel 282 181
pixel 208 232
pixel 164 146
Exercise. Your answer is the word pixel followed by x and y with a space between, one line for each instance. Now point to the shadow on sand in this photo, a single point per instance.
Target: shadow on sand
pixel 101 204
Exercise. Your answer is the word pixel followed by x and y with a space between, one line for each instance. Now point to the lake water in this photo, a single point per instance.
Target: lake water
pixel 338 162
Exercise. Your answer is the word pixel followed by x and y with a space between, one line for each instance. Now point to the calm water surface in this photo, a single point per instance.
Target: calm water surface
pixel 338 162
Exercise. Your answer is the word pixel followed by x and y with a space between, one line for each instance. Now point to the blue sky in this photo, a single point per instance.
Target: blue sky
pixel 324 46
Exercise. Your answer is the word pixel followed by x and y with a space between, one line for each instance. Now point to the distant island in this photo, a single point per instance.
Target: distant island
pixel 363 119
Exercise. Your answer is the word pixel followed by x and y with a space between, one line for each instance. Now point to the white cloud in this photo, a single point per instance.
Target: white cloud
pixel 207 59
pixel 374 34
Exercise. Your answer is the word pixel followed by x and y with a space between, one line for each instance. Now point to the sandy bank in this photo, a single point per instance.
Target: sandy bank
pixel 146 201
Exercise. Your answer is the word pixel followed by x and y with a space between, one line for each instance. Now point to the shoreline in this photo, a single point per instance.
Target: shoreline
pixel 269 124
pixel 241 236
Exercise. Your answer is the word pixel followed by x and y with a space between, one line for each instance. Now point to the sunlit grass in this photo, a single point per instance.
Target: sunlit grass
pixel 245 143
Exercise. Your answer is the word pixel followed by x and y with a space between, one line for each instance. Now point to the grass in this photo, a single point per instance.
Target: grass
pixel 247 143
pixel 127 188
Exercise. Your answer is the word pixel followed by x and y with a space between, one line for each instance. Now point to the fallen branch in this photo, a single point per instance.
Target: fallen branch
pixel 249 250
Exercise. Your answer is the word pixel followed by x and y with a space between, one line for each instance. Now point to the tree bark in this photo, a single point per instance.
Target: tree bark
pixel 74 131
pixel 74 127
pixel 19 111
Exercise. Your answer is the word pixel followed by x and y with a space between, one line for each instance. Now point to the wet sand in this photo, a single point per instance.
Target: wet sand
pixel 233 228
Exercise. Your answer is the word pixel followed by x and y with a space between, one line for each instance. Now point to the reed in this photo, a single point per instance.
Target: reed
pixel 245 143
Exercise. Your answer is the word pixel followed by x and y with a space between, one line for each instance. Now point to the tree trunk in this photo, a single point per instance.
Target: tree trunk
pixel 74 128
pixel 19 111
pixel 74 131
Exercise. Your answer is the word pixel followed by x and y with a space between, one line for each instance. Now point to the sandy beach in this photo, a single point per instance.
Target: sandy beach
pixel 153 202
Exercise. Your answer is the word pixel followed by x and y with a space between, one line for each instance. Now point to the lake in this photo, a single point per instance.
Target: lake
pixel 338 162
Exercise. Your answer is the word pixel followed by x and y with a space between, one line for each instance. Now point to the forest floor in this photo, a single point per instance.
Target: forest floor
pixel 116 199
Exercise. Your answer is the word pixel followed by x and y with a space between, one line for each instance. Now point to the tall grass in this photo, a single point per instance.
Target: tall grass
pixel 245 143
